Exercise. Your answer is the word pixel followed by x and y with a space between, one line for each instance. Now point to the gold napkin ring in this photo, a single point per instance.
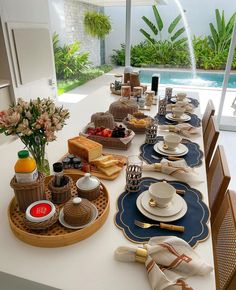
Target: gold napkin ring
pixel 157 166
pixel 141 255
pixel 171 128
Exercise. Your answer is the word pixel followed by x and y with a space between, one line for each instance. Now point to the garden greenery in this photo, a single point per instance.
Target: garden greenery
pixel 210 51
pixel 97 24
pixel 68 61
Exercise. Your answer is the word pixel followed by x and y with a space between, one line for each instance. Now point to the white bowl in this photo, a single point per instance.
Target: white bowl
pixel 181 96
pixel 172 141
pixel 162 193
pixel 178 112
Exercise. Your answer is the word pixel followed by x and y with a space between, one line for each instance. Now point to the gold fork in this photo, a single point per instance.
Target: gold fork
pixel 161 225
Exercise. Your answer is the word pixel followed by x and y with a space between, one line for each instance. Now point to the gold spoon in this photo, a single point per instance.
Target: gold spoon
pixel 152 203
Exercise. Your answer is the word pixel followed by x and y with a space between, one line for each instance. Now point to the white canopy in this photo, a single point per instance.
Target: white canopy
pixel 123 2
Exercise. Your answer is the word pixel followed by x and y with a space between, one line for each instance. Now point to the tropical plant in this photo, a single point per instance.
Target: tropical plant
pixel 163 53
pixel 220 37
pixel 97 24
pixel 68 61
pixel 156 29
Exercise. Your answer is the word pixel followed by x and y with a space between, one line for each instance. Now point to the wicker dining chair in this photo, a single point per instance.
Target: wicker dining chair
pixel 218 178
pixel 224 243
pixel 209 111
pixel 210 138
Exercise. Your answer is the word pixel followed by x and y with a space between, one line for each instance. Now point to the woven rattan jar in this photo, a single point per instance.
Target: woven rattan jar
pixel 27 193
pixel 120 109
pixel 60 194
pixel 88 187
pixel 105 120
pixel 77 212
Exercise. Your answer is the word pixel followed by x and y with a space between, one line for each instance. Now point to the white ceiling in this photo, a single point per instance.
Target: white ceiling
pixel 123 2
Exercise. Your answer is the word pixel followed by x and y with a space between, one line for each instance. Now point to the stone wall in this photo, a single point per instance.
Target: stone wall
pixel 67 19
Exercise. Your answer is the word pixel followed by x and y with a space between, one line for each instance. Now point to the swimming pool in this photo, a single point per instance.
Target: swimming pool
pixel 203 79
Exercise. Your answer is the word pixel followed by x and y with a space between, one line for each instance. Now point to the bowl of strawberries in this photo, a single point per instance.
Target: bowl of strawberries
pixel 117 138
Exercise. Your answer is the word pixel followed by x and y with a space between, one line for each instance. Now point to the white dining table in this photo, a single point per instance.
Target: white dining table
pixel 88 264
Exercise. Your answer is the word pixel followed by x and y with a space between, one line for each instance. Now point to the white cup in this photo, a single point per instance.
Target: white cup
pixel 178 112
pixel 180 103
pixel 162 193
pixel 181 96
pixel 172 141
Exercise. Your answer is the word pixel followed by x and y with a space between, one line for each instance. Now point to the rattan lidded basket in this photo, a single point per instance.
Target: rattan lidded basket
pixel 120 109
pixel 27 193
pixel 60 194
pixel 77 211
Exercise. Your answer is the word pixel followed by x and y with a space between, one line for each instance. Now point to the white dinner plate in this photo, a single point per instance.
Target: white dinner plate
pixel 181 150
pixel 172 218
pixel 92 219
pixel 186 100
pixel 183 118
pixel 173 207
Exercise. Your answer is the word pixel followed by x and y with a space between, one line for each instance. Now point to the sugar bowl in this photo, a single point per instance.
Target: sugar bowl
pixel 88 187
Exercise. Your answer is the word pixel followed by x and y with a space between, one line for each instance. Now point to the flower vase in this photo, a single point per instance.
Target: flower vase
pixel 40 157
pixel 43 167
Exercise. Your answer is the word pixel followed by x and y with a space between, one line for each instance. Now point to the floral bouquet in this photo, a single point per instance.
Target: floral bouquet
pixel 35 123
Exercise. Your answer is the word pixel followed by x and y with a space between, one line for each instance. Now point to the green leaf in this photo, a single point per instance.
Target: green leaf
pixel 151 25
pixel 218 21
pixel 230 24
pixel 158 18
pixel 177 34
pixel 174 23
pixel 180 41
pixel 147 35
pixel 211 42
pixel 214 33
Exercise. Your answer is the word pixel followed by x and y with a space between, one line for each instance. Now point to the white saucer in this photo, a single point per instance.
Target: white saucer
pixel 173 207
pixel 172 218
pixel 185 100
pixel 181 150
pixel 183 118
pixel 66 225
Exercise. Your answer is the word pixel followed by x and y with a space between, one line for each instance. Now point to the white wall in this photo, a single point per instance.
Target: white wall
pixel 67 19
pixel 199 14
pixel 26 11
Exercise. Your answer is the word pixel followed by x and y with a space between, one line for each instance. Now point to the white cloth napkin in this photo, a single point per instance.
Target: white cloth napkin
pixel 178 169
pixel 168 261
pixel 183 128
pixel 189 108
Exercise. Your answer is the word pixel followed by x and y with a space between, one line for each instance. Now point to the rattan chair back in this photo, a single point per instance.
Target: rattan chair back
pixel 218 178
pixel 209 111
pixel 224 243
pixel 210 139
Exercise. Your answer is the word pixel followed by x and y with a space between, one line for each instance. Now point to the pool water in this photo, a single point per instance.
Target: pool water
pixel 186 78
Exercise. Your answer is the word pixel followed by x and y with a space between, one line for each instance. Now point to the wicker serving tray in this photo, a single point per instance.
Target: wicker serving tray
pixel 57 235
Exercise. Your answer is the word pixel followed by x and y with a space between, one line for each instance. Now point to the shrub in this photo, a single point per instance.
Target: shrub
pixel 68 61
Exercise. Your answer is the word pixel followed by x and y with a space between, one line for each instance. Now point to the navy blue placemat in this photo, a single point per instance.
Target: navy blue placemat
pixel 194 221
pixel 193 157
pixel 195 121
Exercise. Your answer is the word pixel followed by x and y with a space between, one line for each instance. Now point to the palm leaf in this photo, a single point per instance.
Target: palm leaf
pixel 150 25
pixel 214 33
pixel 177 34
pixel 218 21
pixel 180 41
pixel 147 35
pixel 174 23
pixel 230 24
pixel 158 18
pixel 223 22
pixel 211 42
